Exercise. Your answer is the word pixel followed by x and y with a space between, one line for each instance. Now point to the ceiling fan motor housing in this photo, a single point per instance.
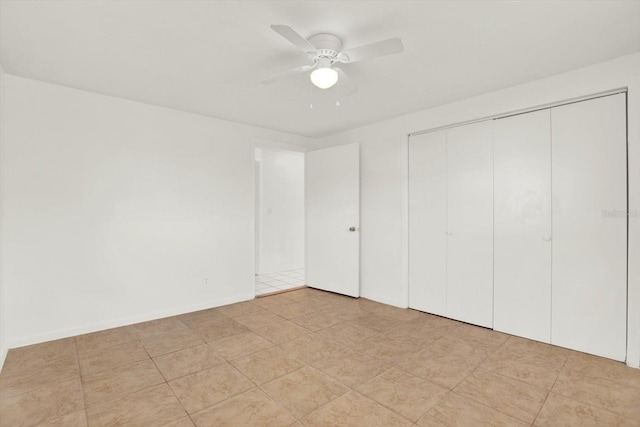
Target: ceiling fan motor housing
pixel 328 45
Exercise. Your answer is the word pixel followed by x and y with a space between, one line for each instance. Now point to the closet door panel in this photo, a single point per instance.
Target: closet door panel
pixel 589 242
pixel 522 225
pixel 470 223
pixel 428 222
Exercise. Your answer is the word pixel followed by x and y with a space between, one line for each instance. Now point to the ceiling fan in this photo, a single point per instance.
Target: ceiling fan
pixel 324 51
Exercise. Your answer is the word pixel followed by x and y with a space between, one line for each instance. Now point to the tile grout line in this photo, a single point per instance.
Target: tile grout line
pixel 504 376
pixel 550 389
pixel 43 385
pixel 167 383
pixel 84 402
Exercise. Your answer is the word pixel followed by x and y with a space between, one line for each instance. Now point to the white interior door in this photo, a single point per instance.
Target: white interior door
pixel 470 223
pixel 522 225
pixel 332 205
pixel 589 174
pixel 428 222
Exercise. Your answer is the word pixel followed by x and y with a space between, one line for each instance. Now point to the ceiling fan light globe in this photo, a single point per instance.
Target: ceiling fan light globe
pixel 324 77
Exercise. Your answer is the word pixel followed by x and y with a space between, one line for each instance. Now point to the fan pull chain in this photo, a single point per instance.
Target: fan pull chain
pixel 338 94
pixel 310 95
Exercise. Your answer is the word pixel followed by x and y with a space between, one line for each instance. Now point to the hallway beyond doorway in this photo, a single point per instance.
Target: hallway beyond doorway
pixel 279 281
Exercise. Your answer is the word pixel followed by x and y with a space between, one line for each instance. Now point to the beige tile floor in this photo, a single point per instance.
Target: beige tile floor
pixel 310 358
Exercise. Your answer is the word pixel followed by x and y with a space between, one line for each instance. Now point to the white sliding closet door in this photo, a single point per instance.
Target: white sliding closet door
pixel 428 222
pixel 522 225
pixel 470 223
pixel 589 247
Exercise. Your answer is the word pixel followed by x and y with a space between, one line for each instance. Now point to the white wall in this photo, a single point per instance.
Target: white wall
pixel 117 211
pixel 384 218
pixel 281 211
pixel 3 346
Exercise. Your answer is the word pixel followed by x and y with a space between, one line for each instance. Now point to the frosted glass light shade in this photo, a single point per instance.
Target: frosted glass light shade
pixel 324 77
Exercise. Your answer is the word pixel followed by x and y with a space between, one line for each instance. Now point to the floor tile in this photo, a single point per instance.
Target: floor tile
pixel 260 318
pixel 445 371
pixel 155 406
pixel 453 410
pixel 46 404
pixel 354 410
pixel 74 419
pixel 418 334
pixel 34 356
pixel 515 398
pixel 396 313
pixel 170 342
pixel 253 408
pixel 19 380
pixel 317 320
pixel 210 386
pixel 310 348
pixel 280 332
pixel 347 333
pixel 113 384
pixel 182 422
pixel 405 394
pixel 266 365
pixel 337 361
pixel 202 317
pixel 219 329
pixel 240 308
pixel 292 310
pixel 529 361
pixel 240 345
pixel 304 390
pixel 188 361
pixel 559 410
pixel 350 367
pixel 465 350
pixel 273 301
pixel 112 357
pixel 304 294
pixel 600 392
pixel 375 322
pixel 485 338
pixel 587 365
pixel 104 339
pixel 387 347
pixel 158 327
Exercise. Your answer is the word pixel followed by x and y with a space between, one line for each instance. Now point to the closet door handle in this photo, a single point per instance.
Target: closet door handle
pixel 547 238
pixel 449 233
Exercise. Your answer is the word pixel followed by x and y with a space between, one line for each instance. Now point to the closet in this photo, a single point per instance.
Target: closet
pixel 519 224
pixel 522 238
pixel 451 223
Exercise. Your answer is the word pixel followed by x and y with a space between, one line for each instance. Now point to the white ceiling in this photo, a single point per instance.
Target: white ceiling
pixel 209 57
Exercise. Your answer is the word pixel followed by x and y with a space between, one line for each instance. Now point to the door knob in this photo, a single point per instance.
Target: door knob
pixel 547 238
pixel 352 229
pixel 449 233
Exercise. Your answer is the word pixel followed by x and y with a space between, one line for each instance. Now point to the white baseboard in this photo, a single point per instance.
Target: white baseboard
pixel 70 332
pixel 3 356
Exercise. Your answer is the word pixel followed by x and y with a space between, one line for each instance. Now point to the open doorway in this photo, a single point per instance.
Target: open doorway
pixel 280 228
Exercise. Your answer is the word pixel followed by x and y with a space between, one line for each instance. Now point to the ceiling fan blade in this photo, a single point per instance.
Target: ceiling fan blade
pixel 373 50
pixel 288 73
pixel 295 38
pixel 346 86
